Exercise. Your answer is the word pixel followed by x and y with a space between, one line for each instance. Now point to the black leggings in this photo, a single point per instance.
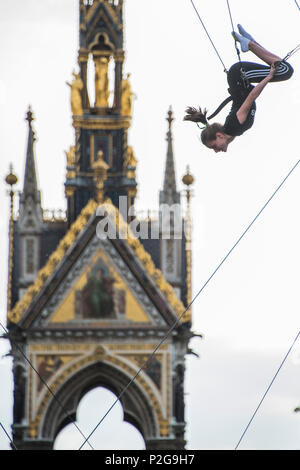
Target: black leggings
pixel 255 73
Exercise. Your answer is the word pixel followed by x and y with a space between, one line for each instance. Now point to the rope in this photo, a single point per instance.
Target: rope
pixel 224 67
pixel 193 300
pixel 10 439
pixel 235 41
pixel 232 26
pixel 242 71
pixel 289 54
pixel 44 382
pixel 266 392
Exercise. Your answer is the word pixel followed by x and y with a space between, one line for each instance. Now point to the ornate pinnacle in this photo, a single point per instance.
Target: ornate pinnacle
pixel 188 179
pixel 170 118
pixel 11 178
pixel 29 115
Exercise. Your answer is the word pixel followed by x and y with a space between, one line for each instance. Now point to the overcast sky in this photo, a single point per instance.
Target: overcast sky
pixel 249 312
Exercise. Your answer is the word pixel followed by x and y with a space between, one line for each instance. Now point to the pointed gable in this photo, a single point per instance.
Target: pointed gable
pixel 130 288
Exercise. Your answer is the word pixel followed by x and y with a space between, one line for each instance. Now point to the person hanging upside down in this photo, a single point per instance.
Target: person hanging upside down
pixel 242 94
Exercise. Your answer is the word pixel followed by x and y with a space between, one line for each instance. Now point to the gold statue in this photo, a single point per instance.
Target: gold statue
pixel 101 81
pixel 76 99
pixel 100 167
pixel 127 96
pixel 71 156
pixel 71 162
pixel 130 159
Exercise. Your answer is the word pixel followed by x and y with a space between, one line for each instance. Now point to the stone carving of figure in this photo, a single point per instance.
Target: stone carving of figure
pixel 127 96
pixel 101 82
pixel 76 98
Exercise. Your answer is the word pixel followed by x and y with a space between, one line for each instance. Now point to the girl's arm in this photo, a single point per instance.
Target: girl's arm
pixel 242 113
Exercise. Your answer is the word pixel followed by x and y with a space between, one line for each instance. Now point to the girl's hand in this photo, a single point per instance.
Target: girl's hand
pixel 273 70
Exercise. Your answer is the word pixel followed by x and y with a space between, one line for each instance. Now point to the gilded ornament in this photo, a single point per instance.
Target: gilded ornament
pixel 127 97
pixel 76 98
pixel 11 178
pixel 101 122
pixel 130 159
pixel 71 156
pixel 101 81
pixel 69 191
pixel 32 432
pixel 71 161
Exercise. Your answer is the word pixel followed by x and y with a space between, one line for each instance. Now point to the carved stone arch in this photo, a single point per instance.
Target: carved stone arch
pixel 137 406
pixel 102 43
pixel 95 32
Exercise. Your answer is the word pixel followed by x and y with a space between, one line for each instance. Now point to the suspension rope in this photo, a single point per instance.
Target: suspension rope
pixel 232 26
pixel 293 51
pixel 236 42
pixel 207 33
pixel 266 392
pixel 10 439
pixel 44 382
pixel 193 300
pixel 230 15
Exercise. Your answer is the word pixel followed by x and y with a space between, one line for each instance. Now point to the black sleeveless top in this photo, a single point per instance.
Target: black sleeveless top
pixel 233 127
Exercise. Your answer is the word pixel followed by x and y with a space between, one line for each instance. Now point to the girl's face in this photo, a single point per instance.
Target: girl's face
pixel 220 143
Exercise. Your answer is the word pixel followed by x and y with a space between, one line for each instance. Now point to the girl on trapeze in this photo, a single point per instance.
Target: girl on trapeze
pixel 216 136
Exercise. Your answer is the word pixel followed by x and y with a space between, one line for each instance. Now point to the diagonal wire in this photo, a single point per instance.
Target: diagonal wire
pixel 233 30
pixel 207 33
pixel 266 392
pixel 193 300
pixel 289 54
pixel 297 4
pixel 11 441
pixel 230 15
pixel 45 383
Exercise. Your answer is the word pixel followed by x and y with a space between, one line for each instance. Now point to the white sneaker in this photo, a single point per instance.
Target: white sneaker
pixel 244 33
pixel 242 40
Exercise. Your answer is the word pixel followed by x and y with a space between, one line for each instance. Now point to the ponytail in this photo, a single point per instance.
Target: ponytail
pixel 195 115
pixel 210 131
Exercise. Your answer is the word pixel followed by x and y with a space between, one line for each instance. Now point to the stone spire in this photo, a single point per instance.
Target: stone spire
pixel 30 187
pixel 170 227
pixel 30 210
pixel 169 194
pixel 30 221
